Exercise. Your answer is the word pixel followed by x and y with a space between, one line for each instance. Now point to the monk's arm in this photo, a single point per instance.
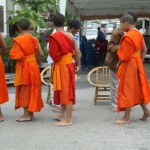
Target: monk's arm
pixel 3 45
pixel 125 52
pixel 77 55
pixel 40 53
pixel 143 50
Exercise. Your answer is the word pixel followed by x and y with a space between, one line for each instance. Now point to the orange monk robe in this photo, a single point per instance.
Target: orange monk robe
pixel 3 86
pixel 133 86
pixel 60 50
pixel 27 73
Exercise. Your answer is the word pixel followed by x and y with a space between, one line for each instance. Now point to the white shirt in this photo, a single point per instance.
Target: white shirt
pixel 143 31
pixel 76 37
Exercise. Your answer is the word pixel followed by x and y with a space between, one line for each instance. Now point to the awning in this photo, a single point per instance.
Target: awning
pixel 100 9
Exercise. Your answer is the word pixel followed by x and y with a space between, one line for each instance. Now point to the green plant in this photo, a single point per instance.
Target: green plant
pixel 9 63
pixel 38 5
pixel 33 10
pixel 68 16
pixel 31 15
pixel 138 25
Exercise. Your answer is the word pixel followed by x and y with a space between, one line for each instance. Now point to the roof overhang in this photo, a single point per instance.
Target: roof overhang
pixel 102 9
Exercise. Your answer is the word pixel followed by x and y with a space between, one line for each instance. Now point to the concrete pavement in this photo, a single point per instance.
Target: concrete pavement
pixel 93 127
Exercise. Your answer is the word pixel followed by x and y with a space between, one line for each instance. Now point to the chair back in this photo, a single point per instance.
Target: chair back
pixel 99 77
pixel 45 75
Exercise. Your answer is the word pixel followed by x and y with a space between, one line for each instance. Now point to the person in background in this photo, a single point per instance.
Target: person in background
pixel 111 61
pixel 73 27
pixel 101 45
pixel 104 30
pixel 100 35
pixel 3 86
pixel 143 31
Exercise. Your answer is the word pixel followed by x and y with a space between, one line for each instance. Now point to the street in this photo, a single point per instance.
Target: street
pixel 92 129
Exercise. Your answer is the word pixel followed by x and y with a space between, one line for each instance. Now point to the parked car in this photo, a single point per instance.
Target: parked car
pixel 110 28
pixel 118 24
pixel 90 34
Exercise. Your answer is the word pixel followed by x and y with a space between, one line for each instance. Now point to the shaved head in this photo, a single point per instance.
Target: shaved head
pixel 127 18
pixel 133 15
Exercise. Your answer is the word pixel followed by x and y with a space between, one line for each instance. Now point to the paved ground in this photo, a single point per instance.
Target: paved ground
pixel 93 127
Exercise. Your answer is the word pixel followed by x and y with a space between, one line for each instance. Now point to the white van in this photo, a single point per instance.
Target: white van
pixel 110 28
pixel 90 34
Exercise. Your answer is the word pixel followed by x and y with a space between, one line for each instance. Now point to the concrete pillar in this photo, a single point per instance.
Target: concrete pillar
pixel 62 6
pixel 143 23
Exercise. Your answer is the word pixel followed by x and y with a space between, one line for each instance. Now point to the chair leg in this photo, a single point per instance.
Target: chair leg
pixel 48 94
pixel 95 97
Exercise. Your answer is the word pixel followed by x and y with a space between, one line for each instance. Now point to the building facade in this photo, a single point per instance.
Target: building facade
pixel 3 18
pixel 5 7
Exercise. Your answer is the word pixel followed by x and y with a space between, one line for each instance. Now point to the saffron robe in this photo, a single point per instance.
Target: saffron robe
pixel 3 86
pixel 60 50
pixel 133 86
pixel 27 73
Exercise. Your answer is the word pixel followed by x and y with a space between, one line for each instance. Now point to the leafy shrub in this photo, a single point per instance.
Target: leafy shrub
pixel 9 63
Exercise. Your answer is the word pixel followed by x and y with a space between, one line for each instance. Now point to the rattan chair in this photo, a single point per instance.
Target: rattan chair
pixel 45 75
pixel 98 77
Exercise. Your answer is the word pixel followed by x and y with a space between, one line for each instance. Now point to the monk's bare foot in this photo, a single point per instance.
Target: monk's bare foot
pixel 114 109
pixel 20 117
pixel 145 116
pixel 63 123
pixel 24 118
pixel 58 118
pixel 32 115
pixel 1 118
pixel 122 121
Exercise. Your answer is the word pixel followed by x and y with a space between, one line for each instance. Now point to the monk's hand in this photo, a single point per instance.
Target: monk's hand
pixel 77 69
pixel 117 66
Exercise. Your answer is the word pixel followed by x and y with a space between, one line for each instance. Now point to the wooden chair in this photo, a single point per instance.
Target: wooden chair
pixel 45 75
pixel 10 79
pixel 98 77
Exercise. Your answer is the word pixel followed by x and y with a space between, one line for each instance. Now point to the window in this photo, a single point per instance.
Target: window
pixel 1 19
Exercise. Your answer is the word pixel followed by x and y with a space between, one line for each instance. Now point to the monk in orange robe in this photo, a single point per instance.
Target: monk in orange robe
pixel 3 86
pixel 61 47
pixel 27 73
pixel 133 86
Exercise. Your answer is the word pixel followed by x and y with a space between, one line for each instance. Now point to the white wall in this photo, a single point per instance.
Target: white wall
pixel 62 6
pixel 3 3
